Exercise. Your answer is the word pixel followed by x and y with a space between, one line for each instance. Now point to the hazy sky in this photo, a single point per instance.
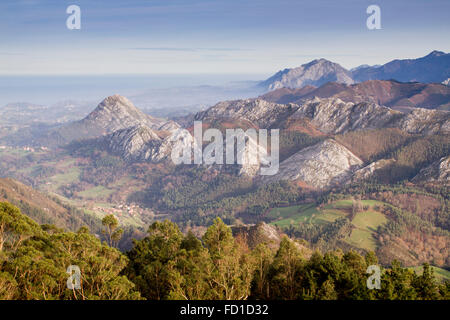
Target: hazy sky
pixel 209 36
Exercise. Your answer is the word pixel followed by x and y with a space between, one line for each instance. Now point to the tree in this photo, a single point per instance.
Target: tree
pixel 396 284
pixel 285 271
pixel 15 227
pixel 262 258
pixel 34 263
pixel 232 269
pixel 153 260
pixel 194 265
pixel 425 284
pixel 112 232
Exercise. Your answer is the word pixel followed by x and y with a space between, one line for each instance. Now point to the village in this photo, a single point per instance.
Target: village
pixel 126 210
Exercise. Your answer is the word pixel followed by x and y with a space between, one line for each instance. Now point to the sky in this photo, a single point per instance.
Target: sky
pixel 213 36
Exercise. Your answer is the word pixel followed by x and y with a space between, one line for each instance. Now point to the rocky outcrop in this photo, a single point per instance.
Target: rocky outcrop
pixel 438 171
pixel 261 233
pixel 336 116
pixel 329 115
pixel 258 112
pixel 135 143
pixel 369 170
pixel 426 121
pixel 322 165
pixel 141 143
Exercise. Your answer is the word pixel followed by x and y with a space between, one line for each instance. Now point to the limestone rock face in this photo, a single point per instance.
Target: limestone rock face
pixel 141 143
pixel 322 165
pixel 426 121
pixel 329 115
pixel 256 111
pixel 367 171
pixel 135 143
pixel 251 158
pixel 336 116
pixel 439 171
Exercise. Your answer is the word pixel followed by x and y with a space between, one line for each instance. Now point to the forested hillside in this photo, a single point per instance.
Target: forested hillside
pixel 168 264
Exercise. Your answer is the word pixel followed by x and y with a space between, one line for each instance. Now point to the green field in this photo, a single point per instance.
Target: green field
pixel 95 193
pixel 366 223
pixel 286 216
pixel 70 176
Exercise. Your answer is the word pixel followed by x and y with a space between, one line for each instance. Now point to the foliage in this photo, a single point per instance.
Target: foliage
pixel 169 265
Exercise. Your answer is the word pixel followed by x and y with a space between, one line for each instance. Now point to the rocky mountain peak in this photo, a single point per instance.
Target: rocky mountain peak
pixel 116 98
pixel 316 73
pixel 118 106
pixel 435 53
pixel 112 114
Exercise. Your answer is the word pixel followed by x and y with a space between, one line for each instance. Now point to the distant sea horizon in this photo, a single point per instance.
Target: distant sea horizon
pixel 50 89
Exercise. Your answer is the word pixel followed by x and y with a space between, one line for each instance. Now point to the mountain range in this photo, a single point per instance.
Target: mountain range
pixel 385 142
pixel 432 68
pixel 120 128
pixel 390 93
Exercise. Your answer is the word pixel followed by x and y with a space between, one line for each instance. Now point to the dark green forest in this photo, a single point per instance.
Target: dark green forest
pixel 167 264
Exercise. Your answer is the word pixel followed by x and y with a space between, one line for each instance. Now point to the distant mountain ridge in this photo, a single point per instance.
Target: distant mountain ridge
pixel 316 73
pixel 432 68
pixel 390 93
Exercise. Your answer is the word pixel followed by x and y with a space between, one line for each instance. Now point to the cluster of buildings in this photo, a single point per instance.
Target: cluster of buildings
pixel 119 209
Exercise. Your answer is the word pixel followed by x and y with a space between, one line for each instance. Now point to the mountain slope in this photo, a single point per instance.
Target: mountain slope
pixel 438 171
pixel 43 209
pixel 314 73
pixel 330 116
pixel 336 116
pixel 434 67
pixel 256 112
pixel 322 165
pixel 112 114
pixel 393 94
pixel 141 143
